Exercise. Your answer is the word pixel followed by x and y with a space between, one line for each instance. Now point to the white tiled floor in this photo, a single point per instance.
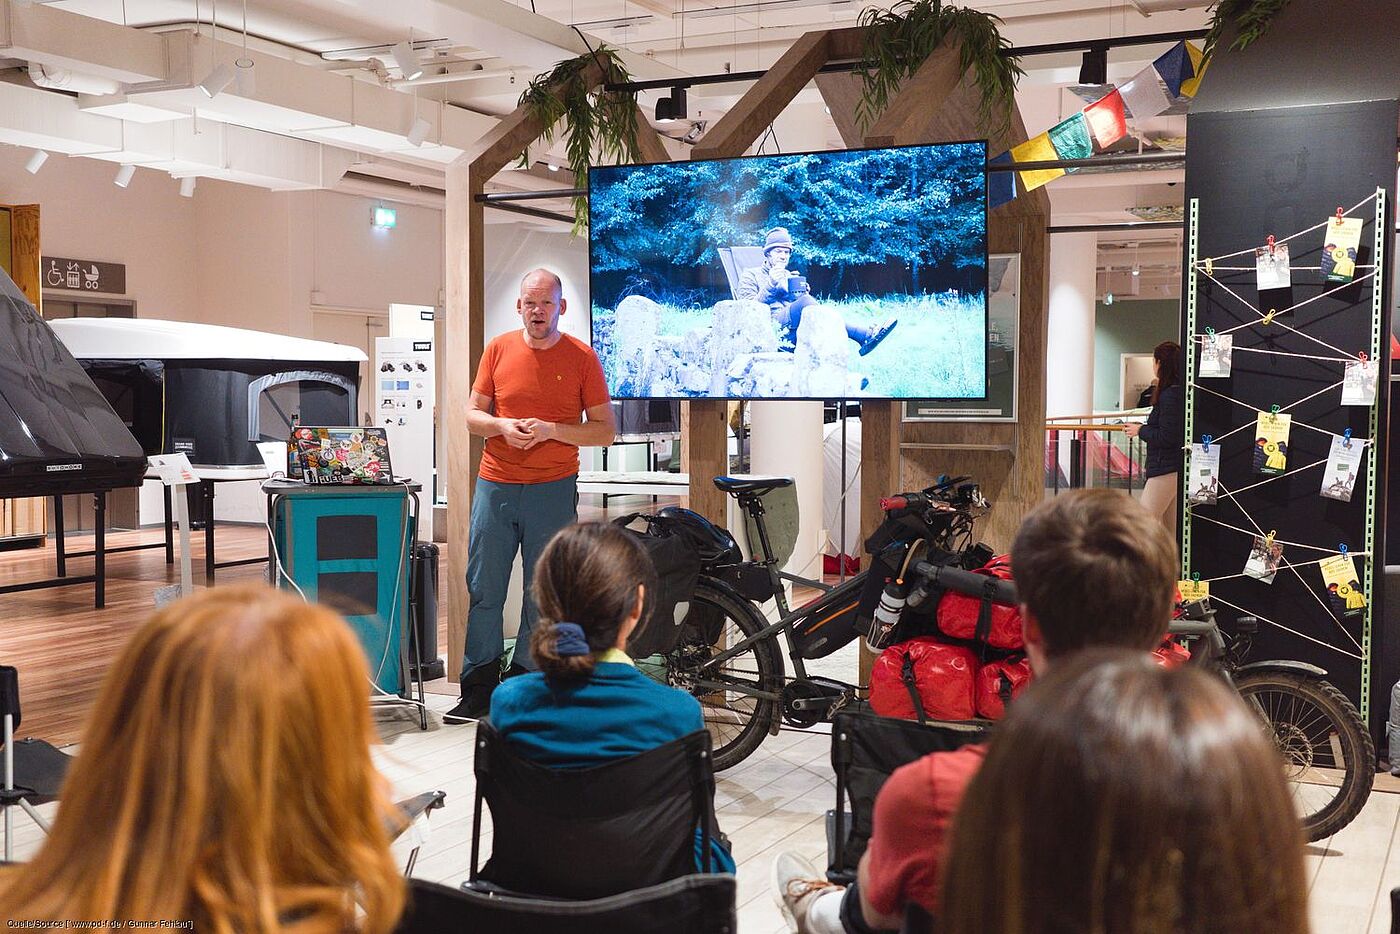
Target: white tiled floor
pixel 777 800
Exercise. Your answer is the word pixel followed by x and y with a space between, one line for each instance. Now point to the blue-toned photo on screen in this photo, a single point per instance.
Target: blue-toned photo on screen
pixel 858 274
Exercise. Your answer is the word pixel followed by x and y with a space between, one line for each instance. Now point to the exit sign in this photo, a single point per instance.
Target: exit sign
pixel 384 218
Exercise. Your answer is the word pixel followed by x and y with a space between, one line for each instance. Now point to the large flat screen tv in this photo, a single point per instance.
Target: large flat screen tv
pixel 857 274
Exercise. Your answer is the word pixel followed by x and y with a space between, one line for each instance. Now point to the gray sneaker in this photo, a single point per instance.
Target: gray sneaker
pixel 797 884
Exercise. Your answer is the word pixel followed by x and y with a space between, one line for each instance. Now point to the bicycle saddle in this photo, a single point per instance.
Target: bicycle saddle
pixel 737 485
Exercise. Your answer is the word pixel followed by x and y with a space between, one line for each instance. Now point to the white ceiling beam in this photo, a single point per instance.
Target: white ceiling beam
pixel 38 33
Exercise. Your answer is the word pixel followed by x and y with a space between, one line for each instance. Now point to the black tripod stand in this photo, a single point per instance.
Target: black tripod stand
pixel 32 771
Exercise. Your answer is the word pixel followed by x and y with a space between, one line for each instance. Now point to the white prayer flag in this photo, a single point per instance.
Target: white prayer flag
pixel 1143 96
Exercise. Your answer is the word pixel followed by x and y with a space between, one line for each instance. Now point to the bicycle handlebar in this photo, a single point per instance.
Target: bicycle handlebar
pixel 967 582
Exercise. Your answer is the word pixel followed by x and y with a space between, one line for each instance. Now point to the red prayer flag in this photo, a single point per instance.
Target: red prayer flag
pixel 1107 119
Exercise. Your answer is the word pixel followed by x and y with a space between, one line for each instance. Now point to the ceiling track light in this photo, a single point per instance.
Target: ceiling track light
pixel 407 59
pixel 36 162
pixel 418 132
pixel 187 186
pixel 673 107
pixel 124 175
pixel 1094 67
pixel 217 80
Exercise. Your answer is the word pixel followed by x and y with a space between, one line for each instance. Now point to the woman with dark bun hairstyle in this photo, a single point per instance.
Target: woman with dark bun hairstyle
pixel 1119 797
pixel 588 704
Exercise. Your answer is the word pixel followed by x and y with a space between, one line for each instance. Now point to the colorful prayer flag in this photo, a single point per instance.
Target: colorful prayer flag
pixel 1107 119
pixel 1037 149
pixel 1144 96
pixel 1071 138
pixel 1198 68
pixel 1001 186
pixel 1175 68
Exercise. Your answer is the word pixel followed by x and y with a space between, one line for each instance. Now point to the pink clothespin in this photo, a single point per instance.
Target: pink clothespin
pixel 1271 244
pixel 1339 217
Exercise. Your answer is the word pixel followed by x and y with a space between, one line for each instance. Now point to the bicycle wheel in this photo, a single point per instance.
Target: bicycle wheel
pixel 737 719
pixel 1329 759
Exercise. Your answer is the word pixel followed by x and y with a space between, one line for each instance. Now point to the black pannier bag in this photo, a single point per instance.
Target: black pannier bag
pixel 677 564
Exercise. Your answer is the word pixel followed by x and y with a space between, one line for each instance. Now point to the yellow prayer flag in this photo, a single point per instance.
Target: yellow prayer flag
pixel 1037 149
pixel 1190 86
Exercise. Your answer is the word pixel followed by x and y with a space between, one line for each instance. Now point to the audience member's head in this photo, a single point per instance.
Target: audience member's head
pixel 1122 797
pixel 224 778
pixel 1093 569
pixel 591 587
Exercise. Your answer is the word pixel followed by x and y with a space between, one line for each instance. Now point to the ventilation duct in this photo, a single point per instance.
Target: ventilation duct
pixel 61 79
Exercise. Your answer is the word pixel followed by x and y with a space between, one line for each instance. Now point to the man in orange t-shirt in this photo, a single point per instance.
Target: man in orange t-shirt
pixel 539 395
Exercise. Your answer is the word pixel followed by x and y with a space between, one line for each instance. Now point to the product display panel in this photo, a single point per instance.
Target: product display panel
pixel 856 274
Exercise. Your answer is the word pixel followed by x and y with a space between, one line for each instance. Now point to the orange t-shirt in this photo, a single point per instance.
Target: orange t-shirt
pixel 554 385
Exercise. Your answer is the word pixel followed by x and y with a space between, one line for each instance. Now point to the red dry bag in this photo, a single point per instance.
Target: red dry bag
pixel 998 683
pixel 923 679
pixel 978 618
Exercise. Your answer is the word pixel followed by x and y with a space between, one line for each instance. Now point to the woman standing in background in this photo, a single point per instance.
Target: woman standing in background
pixel 1163 434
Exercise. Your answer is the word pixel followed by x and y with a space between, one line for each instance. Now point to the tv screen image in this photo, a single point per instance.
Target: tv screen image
pixel 855 274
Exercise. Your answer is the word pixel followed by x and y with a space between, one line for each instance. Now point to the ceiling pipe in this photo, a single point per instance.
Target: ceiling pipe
pixel 453 77
pixel 61 79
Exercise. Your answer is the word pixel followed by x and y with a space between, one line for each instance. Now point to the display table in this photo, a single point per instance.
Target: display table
pixel 348 547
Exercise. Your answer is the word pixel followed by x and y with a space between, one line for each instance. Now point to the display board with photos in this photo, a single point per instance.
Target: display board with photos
pixel 1003 329
pixel 847 274
pixel 1282 417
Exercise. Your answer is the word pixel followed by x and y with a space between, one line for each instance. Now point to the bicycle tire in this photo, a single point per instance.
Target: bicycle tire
pixel 737 722
pixel 1299 742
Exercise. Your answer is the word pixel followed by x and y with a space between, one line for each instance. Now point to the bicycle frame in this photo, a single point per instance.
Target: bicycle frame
pixel 787 617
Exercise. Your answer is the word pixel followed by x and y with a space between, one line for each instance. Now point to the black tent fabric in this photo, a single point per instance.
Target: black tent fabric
pixel 58 434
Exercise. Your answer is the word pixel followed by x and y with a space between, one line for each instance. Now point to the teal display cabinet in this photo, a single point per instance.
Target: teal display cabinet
pixel 348 547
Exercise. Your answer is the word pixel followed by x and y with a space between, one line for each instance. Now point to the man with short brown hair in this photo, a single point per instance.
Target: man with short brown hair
pixel 1093 569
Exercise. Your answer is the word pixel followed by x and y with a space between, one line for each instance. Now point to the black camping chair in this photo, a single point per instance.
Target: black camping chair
pixel 409 810
pixel 695 904
pixel 592 832
pixel 38 768
pixel 865 750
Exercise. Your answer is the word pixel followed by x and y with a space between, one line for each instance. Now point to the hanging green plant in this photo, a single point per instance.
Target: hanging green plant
pixel 596 121
pixel 899 39
pixel 1251 17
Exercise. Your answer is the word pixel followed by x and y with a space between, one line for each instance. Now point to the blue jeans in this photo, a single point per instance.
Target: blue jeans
pixel 506 518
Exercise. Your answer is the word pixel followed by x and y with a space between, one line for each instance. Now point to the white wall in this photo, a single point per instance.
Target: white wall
pixel 232 255
pixel 147 226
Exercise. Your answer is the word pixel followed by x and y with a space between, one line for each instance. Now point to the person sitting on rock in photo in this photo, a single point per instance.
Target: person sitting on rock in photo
pixel 786 293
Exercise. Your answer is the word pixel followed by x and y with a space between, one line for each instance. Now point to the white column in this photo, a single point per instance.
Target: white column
pixel 1069 345
pixel 786 441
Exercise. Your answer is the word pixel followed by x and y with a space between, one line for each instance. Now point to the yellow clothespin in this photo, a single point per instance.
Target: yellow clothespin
pixel 1210 266
pixel 1269 318
pixel 1269 539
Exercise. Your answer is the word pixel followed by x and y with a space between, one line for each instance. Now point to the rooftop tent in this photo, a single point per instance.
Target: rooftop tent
pixel 214 392
pixel 57 432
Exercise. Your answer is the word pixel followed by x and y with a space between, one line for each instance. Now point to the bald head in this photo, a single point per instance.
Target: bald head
pixel 542 278
pixel 540 304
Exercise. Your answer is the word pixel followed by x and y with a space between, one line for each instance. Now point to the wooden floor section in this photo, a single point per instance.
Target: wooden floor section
pixel 773 801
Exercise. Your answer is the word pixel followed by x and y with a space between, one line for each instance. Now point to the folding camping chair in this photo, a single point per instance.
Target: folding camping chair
pixel 694 904
pixel 592 832
pixel 32 771
pixel 409 811
pixel 738 260
pixel 865 750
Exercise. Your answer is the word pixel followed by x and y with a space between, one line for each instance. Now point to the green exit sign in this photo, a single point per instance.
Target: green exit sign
pixel 384 218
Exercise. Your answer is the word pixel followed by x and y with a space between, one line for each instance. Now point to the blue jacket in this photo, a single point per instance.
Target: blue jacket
pixel 1165 433
pixel 617 712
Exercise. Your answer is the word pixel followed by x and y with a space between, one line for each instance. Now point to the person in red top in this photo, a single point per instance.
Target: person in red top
pixel 539 395
pixel 1091 571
